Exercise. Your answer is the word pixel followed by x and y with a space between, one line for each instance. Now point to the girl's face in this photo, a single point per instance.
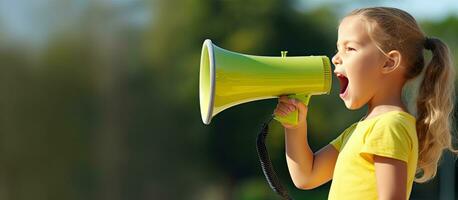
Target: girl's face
pixel 358 63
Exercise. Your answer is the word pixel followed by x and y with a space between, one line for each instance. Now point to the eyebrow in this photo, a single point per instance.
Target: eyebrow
pixel 348 41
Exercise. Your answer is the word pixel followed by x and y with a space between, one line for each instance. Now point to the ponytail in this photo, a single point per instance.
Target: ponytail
pixel 435 105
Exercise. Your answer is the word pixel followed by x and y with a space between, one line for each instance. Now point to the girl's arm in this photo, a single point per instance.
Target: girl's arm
pixel 307 170
pixel 391 178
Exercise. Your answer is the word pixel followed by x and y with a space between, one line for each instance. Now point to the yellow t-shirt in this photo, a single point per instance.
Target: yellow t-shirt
pixel 391 134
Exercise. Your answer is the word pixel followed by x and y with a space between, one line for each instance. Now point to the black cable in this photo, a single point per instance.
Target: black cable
pixel 266 164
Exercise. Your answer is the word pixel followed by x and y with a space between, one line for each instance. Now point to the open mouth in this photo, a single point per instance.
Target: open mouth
pixel 343 83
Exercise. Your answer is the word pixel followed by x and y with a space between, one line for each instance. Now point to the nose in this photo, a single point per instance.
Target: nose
pixel 336 59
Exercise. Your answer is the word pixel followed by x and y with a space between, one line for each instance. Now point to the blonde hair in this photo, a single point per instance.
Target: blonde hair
pixel 395 29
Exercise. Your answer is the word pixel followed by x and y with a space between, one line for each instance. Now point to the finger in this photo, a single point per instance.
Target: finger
pixel 283 109
pixel 303 109
pixel 284 99
pixel 301 106
pixel 290 101
pixel 281 105
pixel 277 110
pixel 280 113
pixel 291 108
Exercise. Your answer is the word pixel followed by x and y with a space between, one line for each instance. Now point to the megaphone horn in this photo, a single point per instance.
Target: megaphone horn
pixel 228 78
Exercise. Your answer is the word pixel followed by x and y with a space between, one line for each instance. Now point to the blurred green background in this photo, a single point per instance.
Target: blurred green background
pixel 99 98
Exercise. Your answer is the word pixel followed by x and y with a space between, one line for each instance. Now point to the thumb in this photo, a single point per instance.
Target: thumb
pixel 301 107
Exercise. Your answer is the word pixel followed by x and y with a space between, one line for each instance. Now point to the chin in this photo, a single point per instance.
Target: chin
pixel 351 105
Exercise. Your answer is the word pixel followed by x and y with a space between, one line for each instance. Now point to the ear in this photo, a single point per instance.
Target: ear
pixel 392 62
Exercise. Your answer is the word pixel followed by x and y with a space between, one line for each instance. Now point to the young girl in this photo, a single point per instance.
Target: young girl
pixel 379 157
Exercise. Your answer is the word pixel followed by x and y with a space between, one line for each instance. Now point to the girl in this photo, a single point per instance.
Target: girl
pixel 379 157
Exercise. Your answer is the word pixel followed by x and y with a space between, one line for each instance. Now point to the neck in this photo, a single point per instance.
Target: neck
pixel 388 99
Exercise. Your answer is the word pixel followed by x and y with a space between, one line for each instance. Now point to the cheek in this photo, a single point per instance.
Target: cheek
pixel 360 73
pixel 365 69
pixel 364 76
pixel 364 83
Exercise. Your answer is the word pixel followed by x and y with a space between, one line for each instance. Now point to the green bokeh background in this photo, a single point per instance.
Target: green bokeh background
pixel 99 100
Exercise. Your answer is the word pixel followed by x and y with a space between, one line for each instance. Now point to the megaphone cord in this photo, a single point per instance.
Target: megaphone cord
pixel 266 164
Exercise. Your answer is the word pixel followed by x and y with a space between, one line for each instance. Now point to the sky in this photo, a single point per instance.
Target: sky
pixel 30 20
pixel 419 9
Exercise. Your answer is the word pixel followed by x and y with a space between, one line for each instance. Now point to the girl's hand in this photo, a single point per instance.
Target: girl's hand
pixel 286 105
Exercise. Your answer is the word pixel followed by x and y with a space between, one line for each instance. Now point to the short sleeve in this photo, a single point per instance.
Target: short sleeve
pixel 388 138
pixel 342 138
pixel 337 142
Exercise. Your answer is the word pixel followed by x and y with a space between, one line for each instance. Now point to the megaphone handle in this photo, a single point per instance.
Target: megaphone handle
pixel 293 117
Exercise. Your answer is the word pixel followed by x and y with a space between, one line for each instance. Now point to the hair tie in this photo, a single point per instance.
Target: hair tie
pixel 429 43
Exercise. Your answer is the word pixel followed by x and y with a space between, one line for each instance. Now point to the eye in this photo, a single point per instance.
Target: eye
pixel 350 49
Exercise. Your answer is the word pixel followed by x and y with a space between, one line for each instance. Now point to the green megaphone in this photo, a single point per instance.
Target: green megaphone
pixel 228 78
